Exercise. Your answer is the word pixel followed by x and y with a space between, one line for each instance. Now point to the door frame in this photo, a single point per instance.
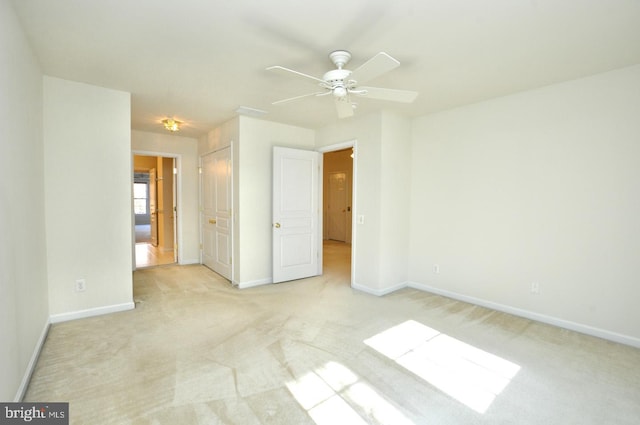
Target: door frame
pixel 177 193
pixel 354 191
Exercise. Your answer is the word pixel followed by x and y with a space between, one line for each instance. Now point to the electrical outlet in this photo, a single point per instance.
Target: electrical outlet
pixel 360 219
pixel 81 285
pixel 436 269
pixel 535 288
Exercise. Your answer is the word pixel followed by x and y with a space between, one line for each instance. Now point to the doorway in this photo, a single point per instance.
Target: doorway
pixel 154 209
pixel 308 188
pixel 338 201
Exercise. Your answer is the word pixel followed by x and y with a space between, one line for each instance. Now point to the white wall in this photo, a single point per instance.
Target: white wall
pixel 367 133
pixel 24 308
pixel 395 191
pixel 220 137
pixel 540 186
pixel 87 201
pixel 188 180
pixel 252 141
pixel 382 188
pixel 257 139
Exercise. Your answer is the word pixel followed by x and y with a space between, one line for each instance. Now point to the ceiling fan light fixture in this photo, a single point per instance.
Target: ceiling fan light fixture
pixel 171 125
pixel 339 92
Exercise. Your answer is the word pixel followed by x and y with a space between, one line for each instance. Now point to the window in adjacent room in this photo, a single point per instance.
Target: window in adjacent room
pixel 140 198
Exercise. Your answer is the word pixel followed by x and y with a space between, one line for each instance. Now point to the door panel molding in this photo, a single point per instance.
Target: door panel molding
pixel 297 228
pixel 216 211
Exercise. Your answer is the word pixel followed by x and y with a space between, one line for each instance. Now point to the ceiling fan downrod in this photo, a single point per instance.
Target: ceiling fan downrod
pixel 340 58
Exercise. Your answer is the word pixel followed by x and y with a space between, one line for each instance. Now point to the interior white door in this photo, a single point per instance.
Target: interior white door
pixel 216 211
pixel 337 208
pixel 297 229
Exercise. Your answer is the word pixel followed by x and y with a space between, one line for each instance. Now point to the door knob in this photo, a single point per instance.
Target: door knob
pixel 277 225
pixel 212 221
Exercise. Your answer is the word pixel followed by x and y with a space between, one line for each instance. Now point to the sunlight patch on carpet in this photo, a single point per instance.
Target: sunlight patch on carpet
pixel 470 375
pixel 333 394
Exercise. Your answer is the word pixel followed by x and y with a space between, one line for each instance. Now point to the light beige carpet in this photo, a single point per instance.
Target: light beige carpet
pixel 197 351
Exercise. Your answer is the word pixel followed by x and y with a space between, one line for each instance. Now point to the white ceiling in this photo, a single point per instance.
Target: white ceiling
pixel 199 60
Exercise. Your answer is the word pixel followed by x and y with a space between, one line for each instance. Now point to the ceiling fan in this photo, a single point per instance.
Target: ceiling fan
pixel 343 84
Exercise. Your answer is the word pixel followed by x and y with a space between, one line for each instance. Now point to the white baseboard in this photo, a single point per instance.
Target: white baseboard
pixel 379 292
pixel 22 389
pixel 252 283
pixel 189 262
pixel 561 323
pixel 98 311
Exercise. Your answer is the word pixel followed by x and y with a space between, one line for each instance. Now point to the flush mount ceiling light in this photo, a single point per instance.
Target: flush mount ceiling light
pixel 171 124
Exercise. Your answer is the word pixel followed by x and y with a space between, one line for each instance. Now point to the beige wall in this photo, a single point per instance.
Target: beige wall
pixel 165 204
pixel 144 163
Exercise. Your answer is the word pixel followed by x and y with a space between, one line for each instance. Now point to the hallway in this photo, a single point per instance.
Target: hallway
pixel 148 255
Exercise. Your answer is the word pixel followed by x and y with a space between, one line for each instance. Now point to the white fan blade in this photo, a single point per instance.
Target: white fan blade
pixel 344 107
pixel 405 96
pixel 374 67
pixel 320 93
pixel 300 74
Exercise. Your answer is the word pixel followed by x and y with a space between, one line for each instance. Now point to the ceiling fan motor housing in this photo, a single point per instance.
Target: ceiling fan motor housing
pixel 335 81
pixel 336 75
